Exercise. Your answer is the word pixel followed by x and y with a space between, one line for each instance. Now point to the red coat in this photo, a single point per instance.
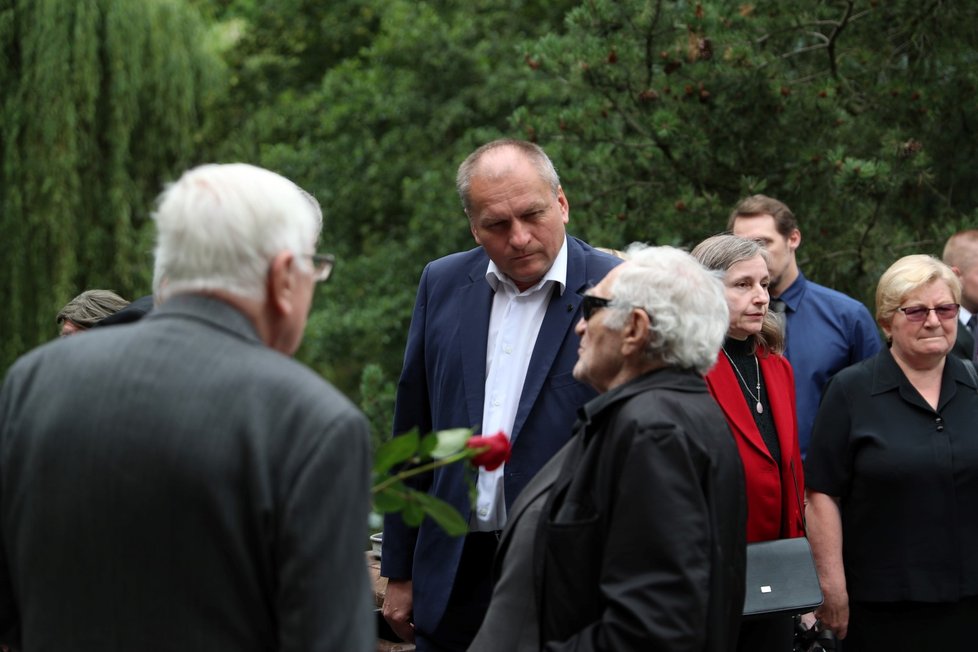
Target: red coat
pixel 774 501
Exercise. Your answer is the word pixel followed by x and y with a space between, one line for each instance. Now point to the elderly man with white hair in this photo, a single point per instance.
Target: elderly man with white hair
pixel 632 537
pixel 182 483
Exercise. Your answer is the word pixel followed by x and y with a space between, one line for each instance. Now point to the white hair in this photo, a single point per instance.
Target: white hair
pixel 686 303
pixel 219 227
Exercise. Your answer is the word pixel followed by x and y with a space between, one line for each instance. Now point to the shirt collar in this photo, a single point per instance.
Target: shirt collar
pixel 887 375
pixel 557 273
pixel 964 315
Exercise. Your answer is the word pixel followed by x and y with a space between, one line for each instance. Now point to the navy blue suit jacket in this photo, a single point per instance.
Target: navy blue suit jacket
pixel 442 385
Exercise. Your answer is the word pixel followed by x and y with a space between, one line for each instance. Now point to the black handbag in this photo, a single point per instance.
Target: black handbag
pixel 781 578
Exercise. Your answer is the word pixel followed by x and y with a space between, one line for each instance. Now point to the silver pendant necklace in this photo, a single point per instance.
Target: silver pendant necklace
pixel 757 370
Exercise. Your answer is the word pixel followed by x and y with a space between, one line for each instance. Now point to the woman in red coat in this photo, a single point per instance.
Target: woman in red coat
pixel 754 385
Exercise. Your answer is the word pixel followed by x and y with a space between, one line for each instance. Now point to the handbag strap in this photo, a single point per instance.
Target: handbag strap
pixel 801 503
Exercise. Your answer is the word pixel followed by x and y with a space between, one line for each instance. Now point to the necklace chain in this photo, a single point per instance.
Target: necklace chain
pixel 757 370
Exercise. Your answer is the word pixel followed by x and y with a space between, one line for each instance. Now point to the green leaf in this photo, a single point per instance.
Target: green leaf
pixel 444 515
pixel 450 442
pixel 398 450
pixel 413 512
pixel 428 444
pixel 391 499
pixel 413 505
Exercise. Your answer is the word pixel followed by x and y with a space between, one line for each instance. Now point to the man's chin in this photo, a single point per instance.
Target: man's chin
pixel 532 266
pixel 528 277
pixel 579 373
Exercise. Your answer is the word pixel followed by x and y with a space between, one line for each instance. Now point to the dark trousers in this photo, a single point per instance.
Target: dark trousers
pixel 469 601
pixel 912 626
pixel 766 634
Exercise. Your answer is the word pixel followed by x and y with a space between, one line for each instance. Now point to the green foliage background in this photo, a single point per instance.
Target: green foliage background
pixel 100 101
pixel 658 115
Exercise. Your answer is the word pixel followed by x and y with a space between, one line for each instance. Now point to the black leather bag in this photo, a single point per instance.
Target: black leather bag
pixel 781 578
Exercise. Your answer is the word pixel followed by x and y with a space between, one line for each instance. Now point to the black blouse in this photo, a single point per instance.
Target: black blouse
pixel 907 479
pixel 742 358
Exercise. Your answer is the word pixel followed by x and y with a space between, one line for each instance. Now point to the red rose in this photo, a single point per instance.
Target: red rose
pixel 494 453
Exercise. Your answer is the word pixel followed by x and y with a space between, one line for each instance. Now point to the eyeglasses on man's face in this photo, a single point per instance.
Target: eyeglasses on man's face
pixel 592 304
pixel 322 266
pixel 919 313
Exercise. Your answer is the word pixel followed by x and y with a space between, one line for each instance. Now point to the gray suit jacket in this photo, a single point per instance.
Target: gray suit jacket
pixel 176 485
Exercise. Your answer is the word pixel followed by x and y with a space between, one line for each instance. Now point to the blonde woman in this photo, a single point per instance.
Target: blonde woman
pixel 892 477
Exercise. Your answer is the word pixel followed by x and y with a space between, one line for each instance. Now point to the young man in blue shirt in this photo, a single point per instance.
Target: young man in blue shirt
pixel 826 330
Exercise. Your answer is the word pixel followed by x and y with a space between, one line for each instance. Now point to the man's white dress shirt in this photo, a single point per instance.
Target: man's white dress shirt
pixel 513 327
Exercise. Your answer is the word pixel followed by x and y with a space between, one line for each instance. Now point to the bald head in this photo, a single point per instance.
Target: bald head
pixel 961 255
pixel 497 159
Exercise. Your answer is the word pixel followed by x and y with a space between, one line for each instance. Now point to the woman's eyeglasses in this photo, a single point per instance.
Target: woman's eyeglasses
pixel 919 313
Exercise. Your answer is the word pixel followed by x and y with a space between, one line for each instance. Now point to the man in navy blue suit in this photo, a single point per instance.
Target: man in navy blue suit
pixel 491 346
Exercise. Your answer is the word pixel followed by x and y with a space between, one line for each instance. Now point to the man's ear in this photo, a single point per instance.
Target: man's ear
pixel 281 283
pixel 564 205
pixel 794 240
pixel 475 233
pixel 635 331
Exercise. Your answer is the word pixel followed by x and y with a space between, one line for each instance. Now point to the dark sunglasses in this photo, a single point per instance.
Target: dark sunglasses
pixel 919 313
pixel 592 304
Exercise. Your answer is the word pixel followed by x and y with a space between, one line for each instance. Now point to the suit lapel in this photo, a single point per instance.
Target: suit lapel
pixel 474 303
pixel 780 396
pixel 731 400
pixel 561 315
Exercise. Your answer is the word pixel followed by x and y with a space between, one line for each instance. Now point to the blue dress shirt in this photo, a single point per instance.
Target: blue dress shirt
pixel 826 332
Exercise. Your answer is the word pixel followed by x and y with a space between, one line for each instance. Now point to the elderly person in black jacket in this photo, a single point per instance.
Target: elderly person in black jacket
pixel 892 477
pixel 632 537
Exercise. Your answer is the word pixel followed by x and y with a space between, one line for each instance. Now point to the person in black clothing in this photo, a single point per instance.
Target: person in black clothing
pixel 135 311
pixel 632 537
pixel 892 477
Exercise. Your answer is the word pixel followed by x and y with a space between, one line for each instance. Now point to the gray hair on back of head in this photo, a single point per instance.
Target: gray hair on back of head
pixel 686 303
pixel 220 225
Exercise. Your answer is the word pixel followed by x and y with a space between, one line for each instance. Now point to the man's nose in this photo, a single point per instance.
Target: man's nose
pixel 519 235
